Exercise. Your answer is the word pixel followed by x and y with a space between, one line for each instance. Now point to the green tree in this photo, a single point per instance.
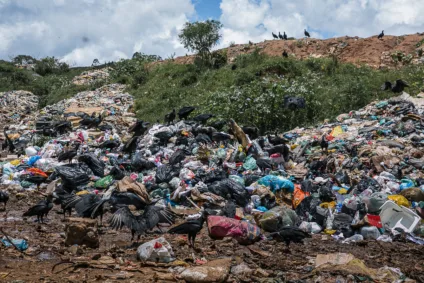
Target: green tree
pixel 24 60
pixel 200 37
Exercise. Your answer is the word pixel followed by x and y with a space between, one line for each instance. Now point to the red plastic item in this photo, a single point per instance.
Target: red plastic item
pixel 158 245
pixel 374 220
pixel 37 171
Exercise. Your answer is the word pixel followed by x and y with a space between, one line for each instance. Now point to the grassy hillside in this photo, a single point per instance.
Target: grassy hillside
pixel 253 93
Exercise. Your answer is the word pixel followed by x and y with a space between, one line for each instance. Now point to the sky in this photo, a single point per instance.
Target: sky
pixel 78 31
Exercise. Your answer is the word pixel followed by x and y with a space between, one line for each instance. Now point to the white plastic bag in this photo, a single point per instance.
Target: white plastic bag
pixel 156 250
pixel 310 227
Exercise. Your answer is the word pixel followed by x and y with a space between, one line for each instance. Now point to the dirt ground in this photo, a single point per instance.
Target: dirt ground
pixel 352 49
pixel 271 261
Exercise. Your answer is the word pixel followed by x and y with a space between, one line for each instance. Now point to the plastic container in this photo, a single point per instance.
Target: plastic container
pixel 394 216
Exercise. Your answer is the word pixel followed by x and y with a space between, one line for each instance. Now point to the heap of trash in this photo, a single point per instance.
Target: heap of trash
pixel 358 178
pixel 91 76
pixel 14 104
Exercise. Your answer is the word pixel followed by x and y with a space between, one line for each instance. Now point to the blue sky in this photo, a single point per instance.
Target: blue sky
pixel 117 28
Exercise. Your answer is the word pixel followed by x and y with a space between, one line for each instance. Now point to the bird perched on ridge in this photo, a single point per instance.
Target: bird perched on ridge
pixel 274 36
pixel 170 117
pixel 280 36
pixel 381 35
pixel 4 198
pixel 398 87
pixel 290 234
pixel 285 36
pixel 41 209
pixel 307 33
pixel 184 112
pixel 139 224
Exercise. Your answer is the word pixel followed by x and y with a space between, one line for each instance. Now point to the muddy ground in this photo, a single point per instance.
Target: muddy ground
pixel 269 260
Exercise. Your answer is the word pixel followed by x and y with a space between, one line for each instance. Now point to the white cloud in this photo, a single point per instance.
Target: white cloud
pixel 254 20
pixel 80 30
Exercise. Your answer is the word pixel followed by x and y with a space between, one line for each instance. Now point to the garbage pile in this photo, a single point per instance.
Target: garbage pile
pixel 91 76
pixel 14 104
pixel 355 179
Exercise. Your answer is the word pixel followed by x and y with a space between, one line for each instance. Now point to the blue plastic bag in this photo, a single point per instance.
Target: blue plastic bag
pixel 276 183
pixel 33 159
pixel 19 243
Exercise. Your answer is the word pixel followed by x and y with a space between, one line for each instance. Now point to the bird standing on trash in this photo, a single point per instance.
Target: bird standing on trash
pixel 185 111
pixel 68 153
pixel 191 227
pixel 381 35
pixel 41 209
pixel 8 142
pixel 290 234
pixel 4 198
pixel 170 117
pixel 203 118
pixel 139 224
pixel 324 142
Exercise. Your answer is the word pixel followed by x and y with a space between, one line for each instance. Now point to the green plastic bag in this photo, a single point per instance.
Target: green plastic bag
pixel 250 163
pixel 221 153
pixel 104 183
pixel 237 179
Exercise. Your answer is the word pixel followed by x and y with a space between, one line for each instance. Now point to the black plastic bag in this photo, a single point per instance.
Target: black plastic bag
pixel 165 173
pixel 73 175
pixel 367 183
pixel 177 157
pixel 307 210
pixel 237 192
pixel 94 163
pixel 264 163
pixel 250 179
pixel 341 223
pixel 138 163
pixel 117 173
pixel 218 188
pixel 326 193
pixel 342 177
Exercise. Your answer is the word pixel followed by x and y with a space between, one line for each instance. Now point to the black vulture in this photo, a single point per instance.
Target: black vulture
pixel 285 54
pixel 184 112
pixel 220 137
pixel 203 118
pixel 36 179
pixel 324 143
pixel 40 210
pixel 4 198
pixel 9 142
pixel 290 234
pixel 307 33
pixel 139 224
pixel 191 227
pixel 110 144
pixel 280 36
pixel 398 87
pixel 170 117
pixel 68 153
pixel 233 67
pixel 218 125
pixel 274 36
pixel 381 35
pixel 284 36
pixel 252 132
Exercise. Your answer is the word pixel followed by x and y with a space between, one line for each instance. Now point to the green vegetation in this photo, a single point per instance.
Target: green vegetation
pixel 253 93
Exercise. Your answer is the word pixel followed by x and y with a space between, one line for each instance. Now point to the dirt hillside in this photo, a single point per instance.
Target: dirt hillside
pixel 372 51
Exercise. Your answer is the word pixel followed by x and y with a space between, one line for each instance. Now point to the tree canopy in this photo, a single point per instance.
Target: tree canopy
pixel 200 37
